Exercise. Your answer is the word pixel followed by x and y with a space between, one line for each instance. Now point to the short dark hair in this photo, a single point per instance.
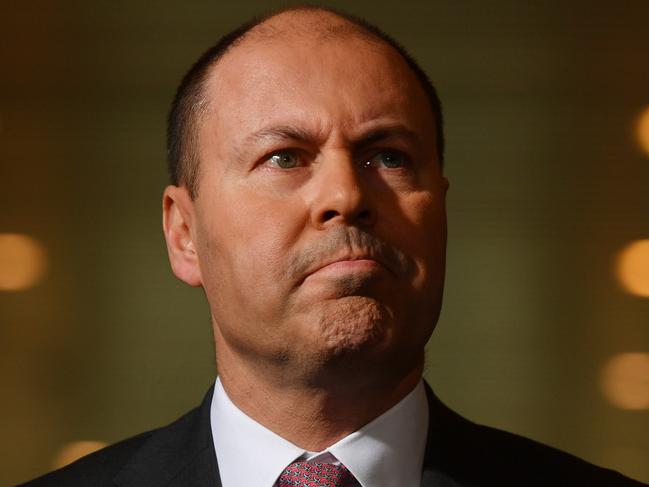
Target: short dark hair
pixel 189 101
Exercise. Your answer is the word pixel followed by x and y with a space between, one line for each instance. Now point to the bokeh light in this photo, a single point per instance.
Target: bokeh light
pixel 642 130
pixel 75 450
pixel 625 380
pixel 22 261
pixel 633 268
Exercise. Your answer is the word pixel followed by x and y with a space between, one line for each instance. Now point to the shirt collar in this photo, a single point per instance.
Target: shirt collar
pixel 387 451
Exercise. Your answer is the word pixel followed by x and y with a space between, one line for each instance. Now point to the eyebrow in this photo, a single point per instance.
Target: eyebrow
pixel 281 133
pixel 284 133
pixel 389 132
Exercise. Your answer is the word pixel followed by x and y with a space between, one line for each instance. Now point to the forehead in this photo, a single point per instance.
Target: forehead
pixel 339 77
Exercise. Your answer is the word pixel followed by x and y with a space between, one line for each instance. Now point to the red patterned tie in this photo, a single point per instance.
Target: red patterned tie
pixel 304 474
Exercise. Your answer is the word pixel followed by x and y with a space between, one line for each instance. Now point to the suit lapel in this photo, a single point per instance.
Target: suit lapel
pixel 179 455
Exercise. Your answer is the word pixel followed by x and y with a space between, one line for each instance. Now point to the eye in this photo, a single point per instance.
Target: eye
pixel 388 158
pixel 284 160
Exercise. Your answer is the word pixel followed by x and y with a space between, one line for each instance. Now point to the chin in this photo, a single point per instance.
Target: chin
pixel 354 326
pixel 356 343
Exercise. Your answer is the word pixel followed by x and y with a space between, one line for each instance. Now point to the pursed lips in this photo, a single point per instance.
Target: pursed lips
pixel 351 262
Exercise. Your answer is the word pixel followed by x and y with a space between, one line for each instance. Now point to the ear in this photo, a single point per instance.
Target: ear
pixel 179 231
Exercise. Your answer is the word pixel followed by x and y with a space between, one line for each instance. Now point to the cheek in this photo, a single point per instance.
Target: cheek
pixel 422 235
pixel 252 236
pixel 423 219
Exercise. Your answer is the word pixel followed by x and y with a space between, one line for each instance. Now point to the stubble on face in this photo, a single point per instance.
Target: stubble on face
pixel 350 315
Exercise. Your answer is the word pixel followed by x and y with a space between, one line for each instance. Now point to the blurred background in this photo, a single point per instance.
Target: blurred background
pixel 545 327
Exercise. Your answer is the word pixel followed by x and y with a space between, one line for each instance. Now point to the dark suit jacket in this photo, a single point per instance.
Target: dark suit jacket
pixel 459 453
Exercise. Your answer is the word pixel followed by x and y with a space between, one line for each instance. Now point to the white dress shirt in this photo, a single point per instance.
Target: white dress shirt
pixel 386 452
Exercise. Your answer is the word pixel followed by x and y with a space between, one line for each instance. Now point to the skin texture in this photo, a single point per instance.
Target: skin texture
pixel 319 229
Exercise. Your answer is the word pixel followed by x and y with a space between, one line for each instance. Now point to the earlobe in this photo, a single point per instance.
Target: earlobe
pixel 179 231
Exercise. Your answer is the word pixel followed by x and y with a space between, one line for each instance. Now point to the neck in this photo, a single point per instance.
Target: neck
pixel 311 416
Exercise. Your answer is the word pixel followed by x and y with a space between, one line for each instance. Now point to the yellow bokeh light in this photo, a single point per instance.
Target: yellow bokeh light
pixel 22 261
pixel 625 380
pixel 75 450
pixel 633 268
pixel 642 130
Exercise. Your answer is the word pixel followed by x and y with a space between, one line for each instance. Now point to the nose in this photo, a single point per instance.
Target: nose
pixel 339 194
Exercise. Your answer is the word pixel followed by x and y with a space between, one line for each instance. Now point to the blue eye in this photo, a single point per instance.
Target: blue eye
pixel 388 159
pixel 284 160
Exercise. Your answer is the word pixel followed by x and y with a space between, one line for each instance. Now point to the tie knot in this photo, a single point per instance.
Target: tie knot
pixel 304 474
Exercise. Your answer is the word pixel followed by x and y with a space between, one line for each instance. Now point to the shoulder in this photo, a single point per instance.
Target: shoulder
pixel 97 469
pixel 472 455
pixel 505 455
pixel 151 458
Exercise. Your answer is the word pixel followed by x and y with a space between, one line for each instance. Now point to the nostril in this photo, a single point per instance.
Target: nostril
pixel 364 217
pixel 328 215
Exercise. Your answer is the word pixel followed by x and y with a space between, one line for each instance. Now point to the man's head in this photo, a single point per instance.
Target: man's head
pixel 317 224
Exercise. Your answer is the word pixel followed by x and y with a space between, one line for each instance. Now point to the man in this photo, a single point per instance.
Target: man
pixel 308 203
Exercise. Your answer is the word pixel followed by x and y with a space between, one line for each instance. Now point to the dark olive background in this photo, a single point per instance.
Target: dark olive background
pixel 547 185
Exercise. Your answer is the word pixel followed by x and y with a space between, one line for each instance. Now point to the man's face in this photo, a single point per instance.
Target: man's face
pixel 319 224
